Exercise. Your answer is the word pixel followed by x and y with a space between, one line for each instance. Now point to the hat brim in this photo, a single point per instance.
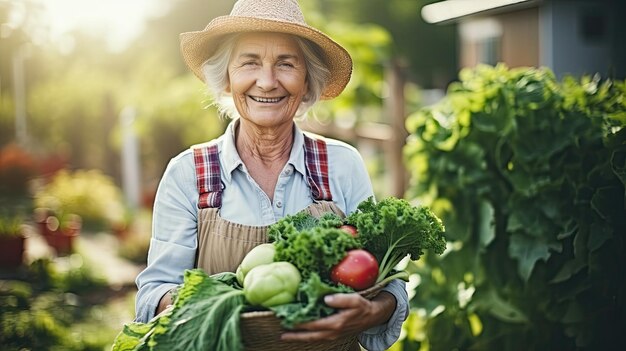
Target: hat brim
pixel 197 47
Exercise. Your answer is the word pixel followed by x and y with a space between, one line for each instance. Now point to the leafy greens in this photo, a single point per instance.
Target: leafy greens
pixel 312 245
pixel 310 305
pixel 205 316
pixel 392 228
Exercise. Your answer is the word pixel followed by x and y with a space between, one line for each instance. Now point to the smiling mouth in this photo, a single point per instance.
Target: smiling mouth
pixel 266 100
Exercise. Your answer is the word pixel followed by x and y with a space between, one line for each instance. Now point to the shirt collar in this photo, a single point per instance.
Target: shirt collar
pixel 296 158
pixel 231 159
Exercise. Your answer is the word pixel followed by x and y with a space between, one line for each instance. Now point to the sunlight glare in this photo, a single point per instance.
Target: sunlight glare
pixel 118 21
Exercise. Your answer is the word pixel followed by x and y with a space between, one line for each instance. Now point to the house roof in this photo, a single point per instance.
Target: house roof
pixel 450 10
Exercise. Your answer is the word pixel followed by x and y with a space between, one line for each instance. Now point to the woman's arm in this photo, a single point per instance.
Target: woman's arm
pixel 173 243
pixel 382 336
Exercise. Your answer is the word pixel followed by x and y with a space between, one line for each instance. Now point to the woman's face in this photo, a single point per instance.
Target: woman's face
pixel 267 78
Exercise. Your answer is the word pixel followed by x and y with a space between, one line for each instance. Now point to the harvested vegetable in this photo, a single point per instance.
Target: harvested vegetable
pixel 307 252
pixel 301 221
pixel 358 270
pixel 350 229
pixel 204 316
pixel 259 255
pixel 393 228
pixel 312 250
pixel 272 284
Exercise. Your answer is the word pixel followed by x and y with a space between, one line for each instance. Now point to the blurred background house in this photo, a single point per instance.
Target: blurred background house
pixel 569 36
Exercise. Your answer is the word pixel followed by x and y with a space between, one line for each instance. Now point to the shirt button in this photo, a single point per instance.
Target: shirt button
pixel 288 171
pixel 279 204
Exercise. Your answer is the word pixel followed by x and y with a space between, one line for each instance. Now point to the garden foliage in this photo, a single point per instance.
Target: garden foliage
pixel 528 174
pixel 45 308
pixel 88 193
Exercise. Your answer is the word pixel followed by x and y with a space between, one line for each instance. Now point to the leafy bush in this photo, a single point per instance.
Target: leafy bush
pixel 88 193
pixel 11 226
pixel 39 312
pixel 528 174
pixel 29 322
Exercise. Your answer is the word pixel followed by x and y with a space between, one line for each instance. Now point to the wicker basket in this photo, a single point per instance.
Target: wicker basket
pixel 261 331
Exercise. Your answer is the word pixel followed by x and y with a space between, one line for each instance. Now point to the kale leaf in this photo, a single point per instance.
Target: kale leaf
pixel 393 228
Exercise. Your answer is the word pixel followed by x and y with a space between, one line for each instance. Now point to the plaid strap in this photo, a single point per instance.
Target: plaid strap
pixel 316 157
pixel 208 177
pixel 209 180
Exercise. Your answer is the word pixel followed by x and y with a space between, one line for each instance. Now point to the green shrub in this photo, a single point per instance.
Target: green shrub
pixel 33 322
pixel 88 193
pixel 41 312
pixel 528 174
pixel 11 226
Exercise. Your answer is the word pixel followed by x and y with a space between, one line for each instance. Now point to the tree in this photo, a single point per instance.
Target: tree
pixel 428 50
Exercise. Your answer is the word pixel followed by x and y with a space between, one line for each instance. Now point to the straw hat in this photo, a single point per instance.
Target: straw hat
pixel 282 16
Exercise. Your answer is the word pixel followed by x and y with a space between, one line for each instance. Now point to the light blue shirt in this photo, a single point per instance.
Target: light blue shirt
pixel 174 232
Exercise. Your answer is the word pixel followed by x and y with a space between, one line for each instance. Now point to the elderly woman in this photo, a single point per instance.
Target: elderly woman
pixel 263 66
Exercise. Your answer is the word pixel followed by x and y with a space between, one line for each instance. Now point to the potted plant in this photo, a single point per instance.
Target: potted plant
pixel 88 193
pixel 59 231
pixel 12 240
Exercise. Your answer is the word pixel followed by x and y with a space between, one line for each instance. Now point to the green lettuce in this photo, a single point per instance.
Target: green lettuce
pixel 205 316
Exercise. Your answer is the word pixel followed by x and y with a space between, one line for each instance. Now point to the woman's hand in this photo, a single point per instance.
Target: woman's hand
pixel 355 314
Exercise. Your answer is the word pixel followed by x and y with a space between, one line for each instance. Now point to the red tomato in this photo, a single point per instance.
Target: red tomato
pixel 358 270
pixel 350 229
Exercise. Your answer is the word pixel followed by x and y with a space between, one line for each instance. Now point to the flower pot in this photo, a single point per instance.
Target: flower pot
pixel 63 243
pixel 61 238
pixel 120 231
pixel 40 217
pixel 11 251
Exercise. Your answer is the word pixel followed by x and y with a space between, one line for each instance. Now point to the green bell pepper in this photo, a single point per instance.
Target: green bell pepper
pixel 261 254
pixel 272 284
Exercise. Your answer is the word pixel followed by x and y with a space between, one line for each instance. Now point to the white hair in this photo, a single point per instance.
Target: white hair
pixel 215 71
